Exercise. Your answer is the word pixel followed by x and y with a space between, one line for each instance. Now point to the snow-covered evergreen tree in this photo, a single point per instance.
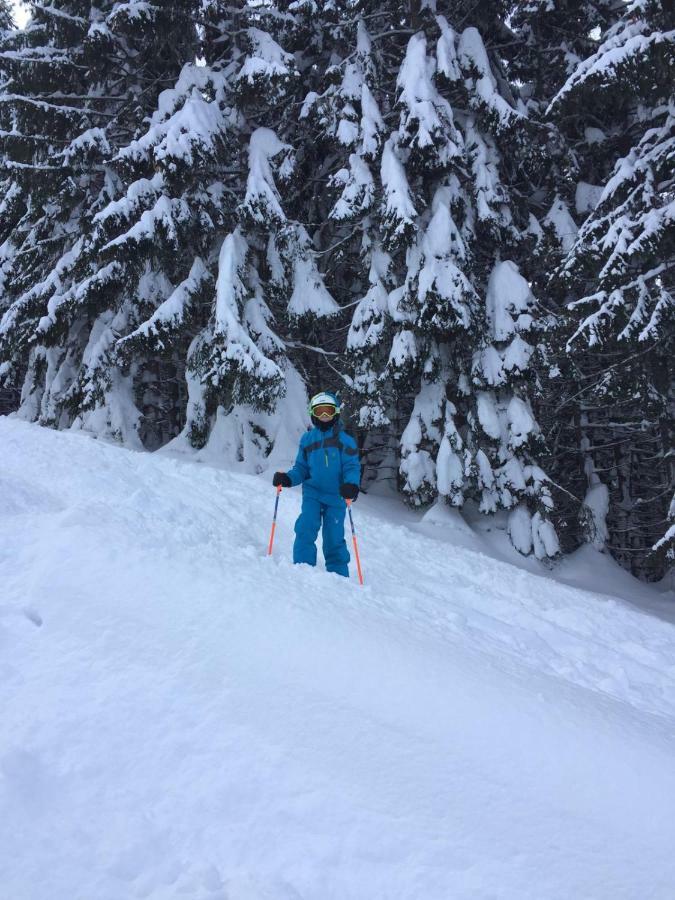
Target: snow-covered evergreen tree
pixel 41 192
pixel 82 77
pixel 617 273
pixel 424 115
pixel 183 258
pixel 547 42
pixel 270 298
pixel 509 475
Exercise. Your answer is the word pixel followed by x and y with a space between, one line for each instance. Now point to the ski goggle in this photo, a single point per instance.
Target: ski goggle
pixel 324 411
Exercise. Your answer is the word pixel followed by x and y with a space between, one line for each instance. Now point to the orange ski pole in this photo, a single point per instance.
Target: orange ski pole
pixel 356 546
pixel 274 520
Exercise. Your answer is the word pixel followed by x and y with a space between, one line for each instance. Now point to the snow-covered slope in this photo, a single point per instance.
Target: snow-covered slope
pixel 184 718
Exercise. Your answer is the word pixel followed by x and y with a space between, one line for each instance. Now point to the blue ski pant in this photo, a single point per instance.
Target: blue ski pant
pixel 312 515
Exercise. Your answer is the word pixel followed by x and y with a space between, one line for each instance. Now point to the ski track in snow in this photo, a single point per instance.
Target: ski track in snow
pixel 185 718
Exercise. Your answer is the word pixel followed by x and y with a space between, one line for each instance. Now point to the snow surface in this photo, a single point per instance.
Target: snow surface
pixel 184 717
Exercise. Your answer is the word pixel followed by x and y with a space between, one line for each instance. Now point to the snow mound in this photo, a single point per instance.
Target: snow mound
pixel 193 719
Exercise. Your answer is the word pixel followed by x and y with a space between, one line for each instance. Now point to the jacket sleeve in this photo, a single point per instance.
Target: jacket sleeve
pixel 351 467
pixel 300 470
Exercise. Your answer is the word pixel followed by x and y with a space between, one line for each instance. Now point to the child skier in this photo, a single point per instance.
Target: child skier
pixel 327 466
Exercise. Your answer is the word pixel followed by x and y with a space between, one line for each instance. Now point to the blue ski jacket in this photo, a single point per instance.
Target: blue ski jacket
pixel 325 460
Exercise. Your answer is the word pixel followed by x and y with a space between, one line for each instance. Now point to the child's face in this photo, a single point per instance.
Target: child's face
pixel 325 412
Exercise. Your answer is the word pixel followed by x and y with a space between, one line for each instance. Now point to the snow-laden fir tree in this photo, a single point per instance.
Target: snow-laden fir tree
pixel 42 193
pixel 260 290
pixel 617 277
pixel 82 78
pixel 548 42
pixel 184 259
pixel 420 116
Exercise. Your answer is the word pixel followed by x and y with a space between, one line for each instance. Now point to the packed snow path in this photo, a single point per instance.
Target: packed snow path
pixel 184 718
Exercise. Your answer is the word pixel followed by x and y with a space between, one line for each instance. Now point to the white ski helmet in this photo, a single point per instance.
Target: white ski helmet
pixel 324 398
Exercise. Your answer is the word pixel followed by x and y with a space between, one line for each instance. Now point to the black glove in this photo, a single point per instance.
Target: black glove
pixel 281 478
pixel 349 491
